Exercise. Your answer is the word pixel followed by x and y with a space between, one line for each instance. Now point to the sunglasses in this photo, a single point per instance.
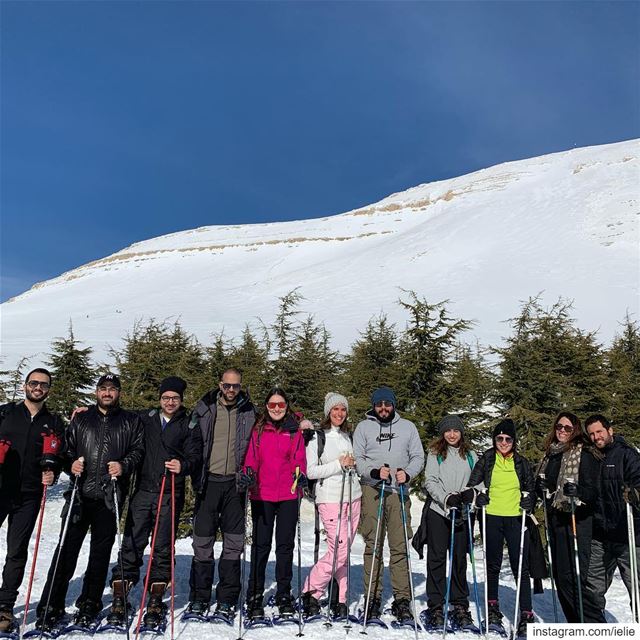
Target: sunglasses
pixel 383 403
pixel 567 428
pixel 231 385
pixel 34 384
pixel 276 405
pixel 505 439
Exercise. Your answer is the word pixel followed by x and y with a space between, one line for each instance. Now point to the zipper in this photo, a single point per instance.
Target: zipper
pixel 103 421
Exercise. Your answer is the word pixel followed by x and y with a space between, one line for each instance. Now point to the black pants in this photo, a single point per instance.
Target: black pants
pixel 501 530
pixel 564 564
pixel 285 517
pixel 22 514
pixel 221 508
pixel 94 515
pixel 438 542
pixel 141 518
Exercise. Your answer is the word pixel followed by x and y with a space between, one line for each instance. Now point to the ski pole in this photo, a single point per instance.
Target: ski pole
pixel 472 557
pixel 34 559
pixel 554 596
pixel 403 511
pixel 373 558
pixel 486 572
pixel 243 563
pixel 574 531
pixel 347 625
pixel 300 622
pixel 173 550
pixel 114 484
pixel 150 562
pixel 633 559
pixel 448 591
pixel 523 529
pixel 334 562
pixel 63 536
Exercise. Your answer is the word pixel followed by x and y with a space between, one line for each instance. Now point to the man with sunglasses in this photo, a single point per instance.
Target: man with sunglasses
pixel 22 426
pixel 387 449
pixel 172 446
pixel 225 417
pixel 619 481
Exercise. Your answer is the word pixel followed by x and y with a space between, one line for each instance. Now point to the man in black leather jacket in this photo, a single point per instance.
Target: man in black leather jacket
pixel 104 447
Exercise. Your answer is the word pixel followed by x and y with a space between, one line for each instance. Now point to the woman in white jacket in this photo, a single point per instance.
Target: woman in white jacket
pixel 336 458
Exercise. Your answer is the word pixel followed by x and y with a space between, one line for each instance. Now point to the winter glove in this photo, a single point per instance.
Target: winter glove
pixel 468 495
pixel 527 503
pixel 632 496
pixel 453 501
pixel 482 499
pixel 51 446
pixel 571 489
pixel 542 486
pixel 245 479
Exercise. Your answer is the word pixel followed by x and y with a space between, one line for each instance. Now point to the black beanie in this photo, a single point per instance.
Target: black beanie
pixel 173 383
pixel 505 427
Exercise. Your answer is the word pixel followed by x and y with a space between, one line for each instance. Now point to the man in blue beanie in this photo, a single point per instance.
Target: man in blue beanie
pixel 387 449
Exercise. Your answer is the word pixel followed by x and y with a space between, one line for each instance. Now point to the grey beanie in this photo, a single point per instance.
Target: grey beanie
pixel 332 399
pixel 450 422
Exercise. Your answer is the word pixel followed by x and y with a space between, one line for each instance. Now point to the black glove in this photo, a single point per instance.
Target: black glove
pixel 632 496
pixel 542 485
pixel 303 481
pixel 468 495
pixel 571 489
pixel 375 474
pixel 245 479
pixel 527 503
pixel 453 501
pixel 482 499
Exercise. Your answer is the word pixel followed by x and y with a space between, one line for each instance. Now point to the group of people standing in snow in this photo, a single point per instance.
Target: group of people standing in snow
pixel 236 454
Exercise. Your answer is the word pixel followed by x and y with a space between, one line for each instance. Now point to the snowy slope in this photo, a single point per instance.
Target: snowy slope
pixel 566 224
pixel 617 599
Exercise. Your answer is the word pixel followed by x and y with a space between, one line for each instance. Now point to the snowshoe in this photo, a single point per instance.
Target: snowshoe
pixel 433 620
pixel 461 620
pixel 51 627
pixel 255 615
pixel 155 617
pixel 120 615
pixel 401 610
pixel 86 619
pixel 526 617
pixel 495 620
pixel 286 610
pixel 196 611
pixel 373 615
pixel 310 605
pixel 225 613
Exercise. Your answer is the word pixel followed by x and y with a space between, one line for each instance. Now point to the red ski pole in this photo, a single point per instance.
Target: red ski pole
pixel 173 551
pixel 153 544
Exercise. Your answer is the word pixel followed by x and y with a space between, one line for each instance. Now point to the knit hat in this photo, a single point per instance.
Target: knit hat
pixel 506 427
pixel 173 383
pixel 450 422
pixel 111 378
pixel 384 393
pixel 332 399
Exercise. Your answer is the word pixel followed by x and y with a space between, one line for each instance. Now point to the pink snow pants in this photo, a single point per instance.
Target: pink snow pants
pixel 320 575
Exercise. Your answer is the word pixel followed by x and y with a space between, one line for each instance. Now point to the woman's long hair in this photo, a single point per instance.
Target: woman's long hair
pixel 264 417
pixel 577 434
pixel 440 447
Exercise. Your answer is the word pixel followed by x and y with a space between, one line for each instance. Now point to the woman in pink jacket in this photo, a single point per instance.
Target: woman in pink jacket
pixel 276 453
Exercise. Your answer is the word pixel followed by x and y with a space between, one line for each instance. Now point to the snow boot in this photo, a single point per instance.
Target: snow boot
pixel 526 617
pixel 7 621
pixel 225 612
pixel 310 605
pixel 495 615
pixel 198 607
pixel 434 619
pixel 116 615
pixel 285 606
pixel 156 609
pixel 87 613
pixel 255 607
pixel 401 609
pixel 461 617
pixel 374 609
pixel 339 611
pixel 54 616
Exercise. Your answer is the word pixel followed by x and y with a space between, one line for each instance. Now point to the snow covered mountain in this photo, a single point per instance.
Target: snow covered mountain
pixel 565 224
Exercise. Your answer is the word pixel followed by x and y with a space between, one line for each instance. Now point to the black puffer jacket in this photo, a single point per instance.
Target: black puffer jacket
pixel 116 436
pixel 21 471
pixel 620 468
pixel 180 439
pixel 484 468
pixel 204 415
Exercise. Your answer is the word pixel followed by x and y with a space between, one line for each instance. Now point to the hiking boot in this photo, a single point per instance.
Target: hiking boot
pixel 54 616
pixel 526 617
pixel 401 609
pixel 119 606
pixel 374 608
pixel 310 605
pixel 87 613
pixel 156 609
pixel 226 611
pixel 255 607
pixel 285 605
pixel 7 621
pixel 461 617
pixel 495 615
pixel 435 617
pixel 198 607
pixel 339 611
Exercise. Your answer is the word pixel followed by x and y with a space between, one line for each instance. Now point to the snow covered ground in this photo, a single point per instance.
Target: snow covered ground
pixel 618 602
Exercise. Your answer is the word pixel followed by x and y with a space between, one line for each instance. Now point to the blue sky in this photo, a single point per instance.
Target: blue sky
pixel 125 120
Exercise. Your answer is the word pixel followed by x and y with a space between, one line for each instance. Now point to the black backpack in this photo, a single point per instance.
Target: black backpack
pixel 321 436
